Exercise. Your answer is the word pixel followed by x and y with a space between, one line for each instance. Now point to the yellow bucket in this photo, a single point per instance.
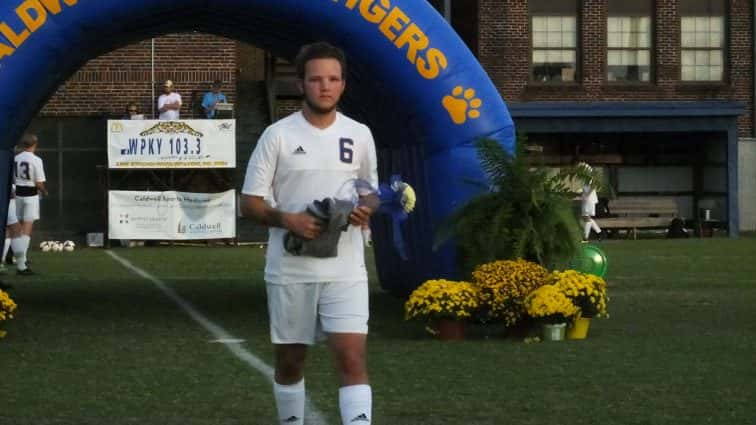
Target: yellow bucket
pixel 579 329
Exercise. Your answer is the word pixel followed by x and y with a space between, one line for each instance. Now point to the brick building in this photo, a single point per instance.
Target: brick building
pixel 659 94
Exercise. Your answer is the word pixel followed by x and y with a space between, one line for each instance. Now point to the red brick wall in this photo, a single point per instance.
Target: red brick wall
pixel 504 51
pixel 105 85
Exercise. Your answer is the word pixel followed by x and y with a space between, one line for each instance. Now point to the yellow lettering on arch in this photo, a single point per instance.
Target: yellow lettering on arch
pixel 15 39
pixel 5 50
pixel 375 13
pixel 350 4
pixel 433 66
pixel 395 20
pixel 32 22
pixel 416 40
pixel 54 5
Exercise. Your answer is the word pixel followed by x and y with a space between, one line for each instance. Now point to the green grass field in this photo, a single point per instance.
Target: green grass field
pixel 94 343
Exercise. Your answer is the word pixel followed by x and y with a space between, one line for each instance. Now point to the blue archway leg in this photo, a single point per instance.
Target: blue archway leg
pixel 6 167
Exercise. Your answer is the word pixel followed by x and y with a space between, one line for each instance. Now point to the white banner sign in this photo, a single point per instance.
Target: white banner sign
pixel 172 144
pixel 171 215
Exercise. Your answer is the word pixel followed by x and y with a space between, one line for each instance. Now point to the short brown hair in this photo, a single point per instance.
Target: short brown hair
pixel 28 140
pixel 319 50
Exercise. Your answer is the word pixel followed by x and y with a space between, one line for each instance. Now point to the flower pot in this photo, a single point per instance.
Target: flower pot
pixel 579 329
pixel 451 329
pixel 554 332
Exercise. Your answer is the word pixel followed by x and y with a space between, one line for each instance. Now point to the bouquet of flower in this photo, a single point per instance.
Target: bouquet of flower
pixel 550 305
pixel 7 307
pixel 586 291
pixel 437 299
pixel 504 285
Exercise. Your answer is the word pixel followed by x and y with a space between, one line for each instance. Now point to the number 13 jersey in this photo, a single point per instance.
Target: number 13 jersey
pixel 28 169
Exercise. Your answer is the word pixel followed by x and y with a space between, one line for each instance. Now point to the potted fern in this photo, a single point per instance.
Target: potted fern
pixel 524 212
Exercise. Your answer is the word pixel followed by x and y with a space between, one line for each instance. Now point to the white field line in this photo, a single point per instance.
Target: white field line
pixel 312 415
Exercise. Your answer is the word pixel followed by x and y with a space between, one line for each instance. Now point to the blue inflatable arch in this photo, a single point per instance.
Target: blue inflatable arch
pixel 411 79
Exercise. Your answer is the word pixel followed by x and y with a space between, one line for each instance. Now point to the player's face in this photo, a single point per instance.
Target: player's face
pixel 323 85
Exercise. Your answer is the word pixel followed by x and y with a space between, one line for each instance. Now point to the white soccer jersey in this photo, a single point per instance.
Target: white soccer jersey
pixel 171 114
pixel 589 201
pixel 28 169
pixel 297 163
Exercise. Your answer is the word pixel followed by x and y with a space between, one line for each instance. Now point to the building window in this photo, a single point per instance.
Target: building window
pixel 702 34
pixel 553 26
pixel 629 41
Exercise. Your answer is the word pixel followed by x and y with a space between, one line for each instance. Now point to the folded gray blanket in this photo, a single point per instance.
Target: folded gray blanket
pixel 333 215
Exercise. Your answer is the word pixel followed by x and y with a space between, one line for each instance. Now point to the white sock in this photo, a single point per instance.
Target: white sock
pixel 5 249
pixel 27 242
pixel 290 402
pixel 19 246
pixel 355 403
pixel 586 229
pixel 595 226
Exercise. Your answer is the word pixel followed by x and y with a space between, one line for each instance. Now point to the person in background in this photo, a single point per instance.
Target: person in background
pixel 29 173
pixel 12 231
pixel 169 103
pixel 212 98
pixel 589 199
pixel 132 112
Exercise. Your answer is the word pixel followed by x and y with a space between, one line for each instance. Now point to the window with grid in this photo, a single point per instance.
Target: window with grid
pixel 553 26
pixel 628 44
pixel 702 37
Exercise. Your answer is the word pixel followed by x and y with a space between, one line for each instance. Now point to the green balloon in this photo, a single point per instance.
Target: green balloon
pixel 590 259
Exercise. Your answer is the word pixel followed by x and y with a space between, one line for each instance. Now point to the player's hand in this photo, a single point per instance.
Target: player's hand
pixel 303 225
pixel 360 216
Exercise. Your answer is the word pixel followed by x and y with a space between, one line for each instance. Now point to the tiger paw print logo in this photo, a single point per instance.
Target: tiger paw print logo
pixel 462 104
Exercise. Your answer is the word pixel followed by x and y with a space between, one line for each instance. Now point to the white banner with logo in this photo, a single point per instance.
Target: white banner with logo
pixel 171 215
pixel 171 144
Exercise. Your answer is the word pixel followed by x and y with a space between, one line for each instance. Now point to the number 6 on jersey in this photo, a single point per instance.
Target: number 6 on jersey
pixel 346 154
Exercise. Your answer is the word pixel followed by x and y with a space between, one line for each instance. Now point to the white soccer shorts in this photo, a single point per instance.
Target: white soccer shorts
pixel 27 207
pixel 12 217
pixel 301 312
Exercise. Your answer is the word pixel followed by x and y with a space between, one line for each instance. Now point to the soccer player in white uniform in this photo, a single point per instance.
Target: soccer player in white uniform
pixel 12 228
pixel 169 103
pixel 29 173
pixel 310 155
pixel 589 199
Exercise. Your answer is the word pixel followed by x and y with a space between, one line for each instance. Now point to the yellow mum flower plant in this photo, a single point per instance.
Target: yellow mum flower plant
pixel 504 284
pixel 7 307
pixel 586 291
pixel 442 299
pixel 549 304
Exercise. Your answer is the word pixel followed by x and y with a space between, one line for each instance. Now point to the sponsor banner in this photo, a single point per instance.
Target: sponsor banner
pixel 171 215
pixel 172 144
